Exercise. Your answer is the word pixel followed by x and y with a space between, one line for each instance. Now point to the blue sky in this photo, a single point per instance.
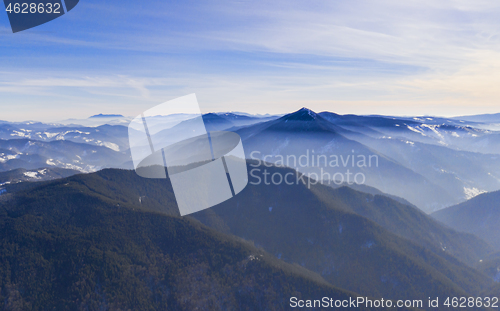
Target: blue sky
pixel 362 57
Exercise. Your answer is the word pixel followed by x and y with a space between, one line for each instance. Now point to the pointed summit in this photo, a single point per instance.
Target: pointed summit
pixel 303 120
pixel 214 122
pixel 304 114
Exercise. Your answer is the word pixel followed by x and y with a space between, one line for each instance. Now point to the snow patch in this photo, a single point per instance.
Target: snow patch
pixel 472 192
pixel 31 175
pixel 254 257
pixel 433 128
pixel 111 146
pixel 415 130
pixel 8 157
pixel 50 135
pixel 20 134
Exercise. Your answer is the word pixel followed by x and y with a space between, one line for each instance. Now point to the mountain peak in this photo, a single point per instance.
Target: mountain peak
pixel 106 116
pixel 211 115
pixel 303 114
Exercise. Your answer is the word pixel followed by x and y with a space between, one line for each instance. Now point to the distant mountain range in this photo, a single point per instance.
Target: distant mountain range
pixel 114 137
pixel 106 116
pixel 431 162
pixel 23 175
pixel 413 157
pixel 33 154
pixel 482 118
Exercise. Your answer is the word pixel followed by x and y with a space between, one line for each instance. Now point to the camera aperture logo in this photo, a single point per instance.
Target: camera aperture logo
pixel 205 168
pixel 26 14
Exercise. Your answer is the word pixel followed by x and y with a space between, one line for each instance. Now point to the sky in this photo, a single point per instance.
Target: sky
pixel 362 57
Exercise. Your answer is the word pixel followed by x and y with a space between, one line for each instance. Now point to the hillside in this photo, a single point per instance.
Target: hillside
pixel 295 225
pixel 315 229
pixel 408 222
pixel 479 216
pixel 65 247
pixel 491 267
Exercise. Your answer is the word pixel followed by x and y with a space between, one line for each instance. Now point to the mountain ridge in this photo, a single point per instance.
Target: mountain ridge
pixel 106 116
pixel 66 248
pixel 479 216
pixel 156 195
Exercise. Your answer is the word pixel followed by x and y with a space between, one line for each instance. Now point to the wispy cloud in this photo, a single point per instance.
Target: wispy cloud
pixel 406 57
